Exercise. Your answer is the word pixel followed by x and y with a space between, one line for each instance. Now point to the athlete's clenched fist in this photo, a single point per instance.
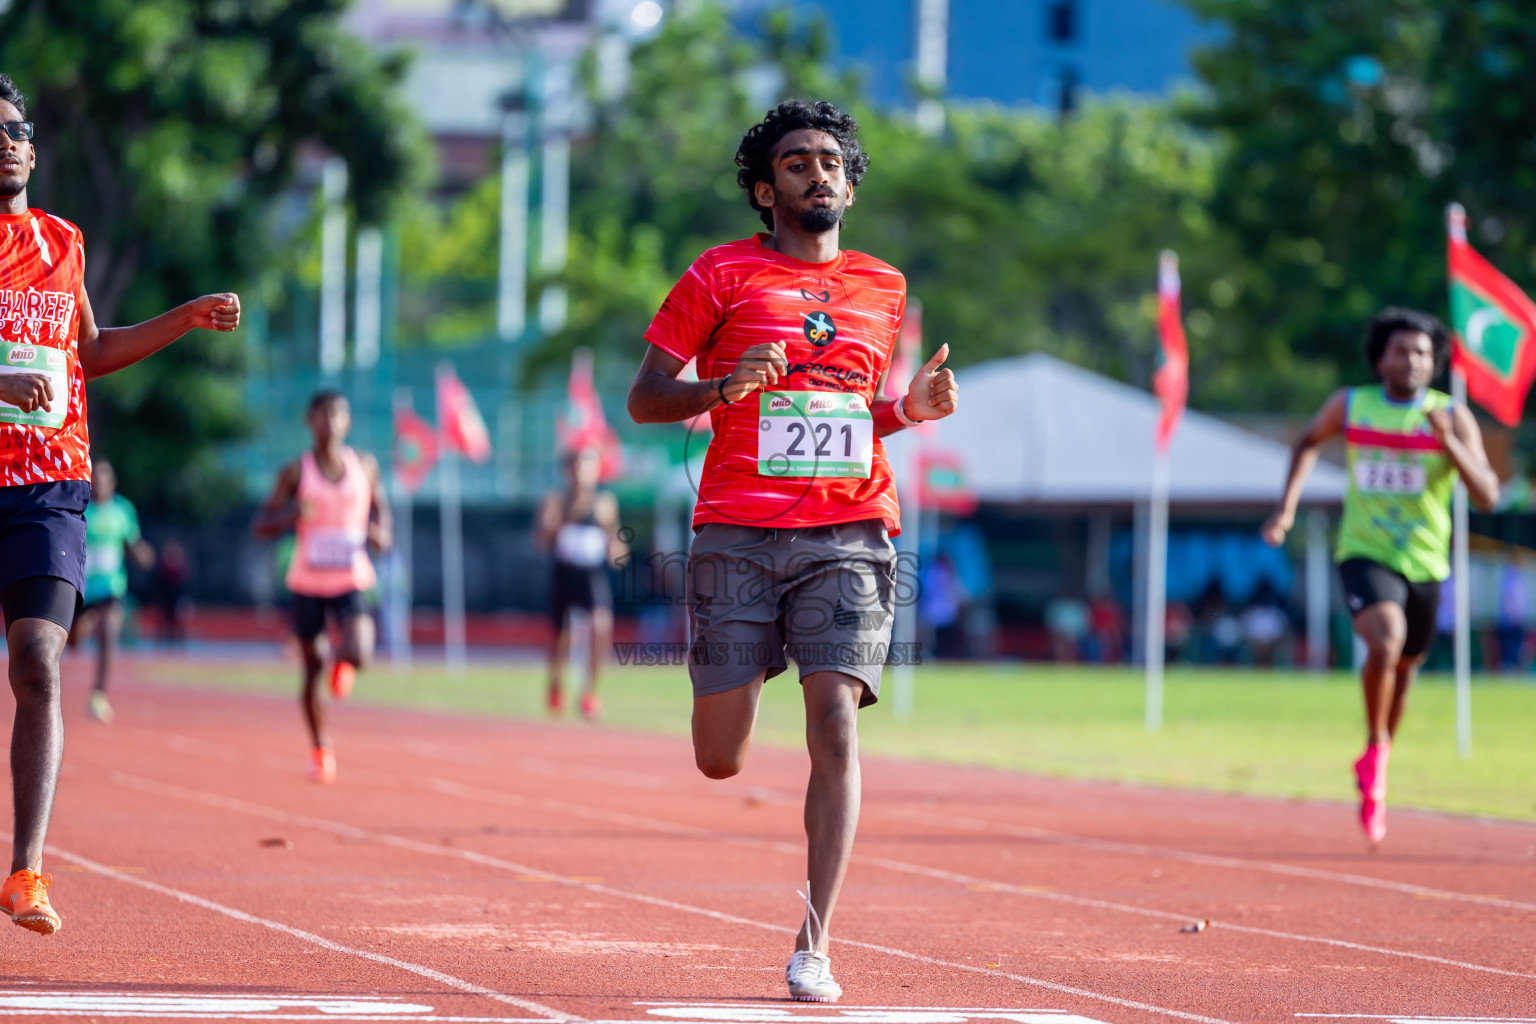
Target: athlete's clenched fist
pixel 760 366
pixel 28 392
pixel 220 312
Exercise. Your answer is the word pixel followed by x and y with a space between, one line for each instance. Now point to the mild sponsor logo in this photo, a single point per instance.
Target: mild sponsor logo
pixel 818 404
pixel 21 354
pixel 779 402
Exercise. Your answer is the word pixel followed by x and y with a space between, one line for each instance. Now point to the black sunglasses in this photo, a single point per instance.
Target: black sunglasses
pixel 21 131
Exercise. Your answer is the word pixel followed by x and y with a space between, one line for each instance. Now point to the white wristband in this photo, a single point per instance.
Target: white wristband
pixel 901 413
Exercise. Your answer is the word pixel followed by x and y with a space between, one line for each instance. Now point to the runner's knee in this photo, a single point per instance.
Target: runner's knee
pixel 832 735
pixel 719 764
pixel 34 669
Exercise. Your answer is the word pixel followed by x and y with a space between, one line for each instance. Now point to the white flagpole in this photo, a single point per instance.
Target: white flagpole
pixel 400 566
pixel 333 268
pixel 1461 595
pixel 1157 589
pixel 452 532
pixel 1461 572
pixel 904 673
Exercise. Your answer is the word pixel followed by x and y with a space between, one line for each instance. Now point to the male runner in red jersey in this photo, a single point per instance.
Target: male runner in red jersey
pixel 50 346
pixel 796 505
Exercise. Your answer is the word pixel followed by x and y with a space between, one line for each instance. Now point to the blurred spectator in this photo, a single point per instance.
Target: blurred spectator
pixel 1067 620
pixel 1514 613
pixel 1264 626
pixel 1179 627
pixel 1106 631
pixel 1223 632
pixel 940 604
pixel 168 592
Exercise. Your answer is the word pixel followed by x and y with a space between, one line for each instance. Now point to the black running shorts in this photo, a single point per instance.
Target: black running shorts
pixel 1367 583
pixel 309 612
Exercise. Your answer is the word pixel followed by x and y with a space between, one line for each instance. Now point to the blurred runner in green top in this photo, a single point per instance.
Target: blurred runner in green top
pixel 111 538
pixel 1405 445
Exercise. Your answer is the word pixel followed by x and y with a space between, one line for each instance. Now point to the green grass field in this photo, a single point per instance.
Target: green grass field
pixel 1281 734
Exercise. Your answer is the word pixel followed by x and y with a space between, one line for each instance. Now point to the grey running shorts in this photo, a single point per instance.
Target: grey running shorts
pixel 822 595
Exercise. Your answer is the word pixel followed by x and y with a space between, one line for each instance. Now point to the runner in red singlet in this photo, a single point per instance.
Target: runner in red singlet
pixel 333 499
pixel 792 555
pixel 51 345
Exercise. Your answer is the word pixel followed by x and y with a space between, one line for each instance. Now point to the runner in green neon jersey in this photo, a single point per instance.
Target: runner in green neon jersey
pixel 1405 445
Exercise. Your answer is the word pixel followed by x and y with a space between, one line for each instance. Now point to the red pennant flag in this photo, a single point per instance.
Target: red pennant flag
pixel 909 352
pixel 943 483
pixel 415 448
pixel 1493 326
pixel 1171 381
pixel 584 425
pixel 458 418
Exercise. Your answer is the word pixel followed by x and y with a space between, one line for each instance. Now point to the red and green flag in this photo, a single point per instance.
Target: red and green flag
pixel 415 448
pixel 584 426
pixel 458 418
pixel 1171 381
pixel 1494 327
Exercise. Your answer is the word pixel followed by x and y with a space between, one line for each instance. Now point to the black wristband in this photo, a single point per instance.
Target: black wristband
pixel 720 389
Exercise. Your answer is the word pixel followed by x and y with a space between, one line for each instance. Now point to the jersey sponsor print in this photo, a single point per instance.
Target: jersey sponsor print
pixel 801 452
pixel 42 275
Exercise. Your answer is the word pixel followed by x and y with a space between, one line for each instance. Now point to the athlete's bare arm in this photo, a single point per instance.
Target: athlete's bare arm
pixel 606 511
pixel 141 552
pixel 1329 422
pixel 1458 433
pixel 657 396
pixel 106 350
pixel 280 512
pixel 381 520
pixel 549 521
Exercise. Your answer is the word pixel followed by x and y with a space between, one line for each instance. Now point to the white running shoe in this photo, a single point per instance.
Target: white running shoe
pixel 810 973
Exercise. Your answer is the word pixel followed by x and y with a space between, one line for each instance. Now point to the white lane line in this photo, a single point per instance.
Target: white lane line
pixel 548 1012
pixel 499 798
pixel 447 787
pixel 341 828
pixel 554 769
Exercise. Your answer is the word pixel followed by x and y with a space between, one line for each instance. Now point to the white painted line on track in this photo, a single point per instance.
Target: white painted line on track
pixel 446 787
pixel 547 1012
pixel 341 828
pixel 555 769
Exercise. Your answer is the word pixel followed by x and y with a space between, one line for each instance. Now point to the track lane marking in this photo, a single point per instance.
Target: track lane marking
pixel 238 805
pixel 464 792
pixel 558 769
pixel 95 867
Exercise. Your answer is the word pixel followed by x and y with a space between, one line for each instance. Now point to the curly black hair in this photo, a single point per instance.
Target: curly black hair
pixel 1398 318
pixel 11 93
pixel 755 154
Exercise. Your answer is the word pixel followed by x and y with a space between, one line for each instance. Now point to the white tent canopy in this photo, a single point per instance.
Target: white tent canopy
pixel 1037 429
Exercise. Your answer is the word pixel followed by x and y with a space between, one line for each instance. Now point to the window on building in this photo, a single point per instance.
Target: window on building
pixel 1061 21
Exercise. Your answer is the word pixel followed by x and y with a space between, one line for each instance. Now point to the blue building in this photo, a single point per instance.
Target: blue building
pixel 1019 51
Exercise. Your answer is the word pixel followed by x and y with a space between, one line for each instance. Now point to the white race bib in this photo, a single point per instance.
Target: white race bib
pixel 328 547
pixel 814 433
pixel 1379 476
pixel 46 361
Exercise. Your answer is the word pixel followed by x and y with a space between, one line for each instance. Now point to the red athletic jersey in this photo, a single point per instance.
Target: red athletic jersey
pixel 838 322
pixel 42 280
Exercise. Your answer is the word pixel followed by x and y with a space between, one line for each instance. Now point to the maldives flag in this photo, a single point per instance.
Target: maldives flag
pixel 584 425
pixel 1493 323
pixel 458 418
pixel 1171 381
pixel 415 448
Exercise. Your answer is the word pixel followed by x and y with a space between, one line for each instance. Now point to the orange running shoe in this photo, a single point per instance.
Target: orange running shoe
pixel 555 701
pixel 322 765
pixel 343 675
pixel 25 898
pixel 591 707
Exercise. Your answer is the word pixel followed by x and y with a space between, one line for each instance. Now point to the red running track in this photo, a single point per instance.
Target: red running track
pixel 505 870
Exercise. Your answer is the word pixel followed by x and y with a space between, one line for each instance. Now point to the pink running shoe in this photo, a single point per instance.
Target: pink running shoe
pixel 591 707
pixel 1371 779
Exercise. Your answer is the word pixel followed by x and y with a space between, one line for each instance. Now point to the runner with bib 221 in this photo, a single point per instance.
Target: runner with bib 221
pixel 791 555
pixel 1405 445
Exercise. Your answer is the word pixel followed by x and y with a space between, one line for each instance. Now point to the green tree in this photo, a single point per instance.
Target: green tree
pixel 1346 127
pixel 166 130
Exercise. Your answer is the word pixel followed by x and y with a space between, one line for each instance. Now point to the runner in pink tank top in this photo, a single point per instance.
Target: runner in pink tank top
pixel 333 499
